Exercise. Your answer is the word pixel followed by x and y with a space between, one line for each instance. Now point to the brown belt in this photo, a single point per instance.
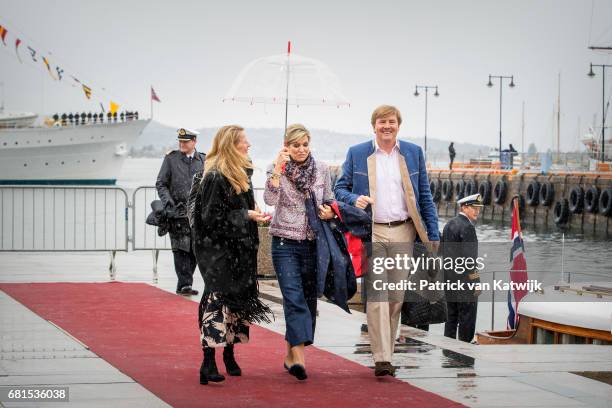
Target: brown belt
pixel 394 223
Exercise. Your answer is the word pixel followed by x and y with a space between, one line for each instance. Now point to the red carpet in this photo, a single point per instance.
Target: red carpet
pixel 152 336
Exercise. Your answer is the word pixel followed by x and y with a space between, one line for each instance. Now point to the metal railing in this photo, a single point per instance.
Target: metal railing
pixel 144 236
pixel 568 161
pixel 64 219
pixel 82 219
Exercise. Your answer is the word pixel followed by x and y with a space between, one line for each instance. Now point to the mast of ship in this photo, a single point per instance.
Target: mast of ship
pixel 559 117
pixel 2 98
pixel 523 136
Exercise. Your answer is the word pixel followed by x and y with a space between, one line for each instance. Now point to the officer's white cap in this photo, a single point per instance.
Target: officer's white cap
pixel 185 134
pixel 473 200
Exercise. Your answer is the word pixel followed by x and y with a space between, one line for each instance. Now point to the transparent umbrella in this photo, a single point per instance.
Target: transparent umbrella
pixel 288 79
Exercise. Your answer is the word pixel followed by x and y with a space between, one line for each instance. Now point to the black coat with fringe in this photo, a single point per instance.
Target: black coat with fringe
pixel 225 246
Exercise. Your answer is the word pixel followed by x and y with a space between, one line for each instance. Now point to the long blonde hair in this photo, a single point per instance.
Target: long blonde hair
pixel 225 158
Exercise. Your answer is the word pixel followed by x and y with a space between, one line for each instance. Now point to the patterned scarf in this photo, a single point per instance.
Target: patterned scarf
pixel 302 175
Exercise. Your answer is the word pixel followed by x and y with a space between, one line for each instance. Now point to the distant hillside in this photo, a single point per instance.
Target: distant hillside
pixel 327 145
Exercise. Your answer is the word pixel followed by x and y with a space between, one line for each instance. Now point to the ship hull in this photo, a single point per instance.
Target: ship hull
pixel 72 155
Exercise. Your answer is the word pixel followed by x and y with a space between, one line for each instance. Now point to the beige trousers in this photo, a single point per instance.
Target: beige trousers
pixel 383 312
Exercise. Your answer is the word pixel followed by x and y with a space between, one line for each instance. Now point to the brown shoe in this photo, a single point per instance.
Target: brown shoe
pixel 382 368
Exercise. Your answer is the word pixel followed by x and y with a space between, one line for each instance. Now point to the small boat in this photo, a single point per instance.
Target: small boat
pixel 577 313
pixel 9 120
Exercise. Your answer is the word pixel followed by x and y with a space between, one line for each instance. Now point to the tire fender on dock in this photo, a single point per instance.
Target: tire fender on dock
pixel 561 211
pixel 591 199
pixel 434 186
pixel 576 200
pixel 447 190
pixel 547 193
pixel 499 192
pixel 605 202
pixel 533 193
pixel 484 189
pixel 459 190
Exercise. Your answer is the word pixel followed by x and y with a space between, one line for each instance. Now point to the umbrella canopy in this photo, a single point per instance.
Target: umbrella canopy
pixel 264 80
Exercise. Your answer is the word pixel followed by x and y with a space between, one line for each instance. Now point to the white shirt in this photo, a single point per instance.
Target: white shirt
pixel 390 200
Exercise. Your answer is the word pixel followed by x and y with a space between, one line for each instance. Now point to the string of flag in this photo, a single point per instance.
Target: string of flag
pixel 56 72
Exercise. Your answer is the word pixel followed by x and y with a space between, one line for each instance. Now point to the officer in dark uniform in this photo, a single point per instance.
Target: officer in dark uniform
pixel 459 240
pixel 173 186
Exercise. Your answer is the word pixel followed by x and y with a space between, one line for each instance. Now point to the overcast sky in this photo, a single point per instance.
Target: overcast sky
pixel 191 51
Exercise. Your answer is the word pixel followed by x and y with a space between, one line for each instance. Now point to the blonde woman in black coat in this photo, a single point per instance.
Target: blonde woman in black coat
pixel 225 242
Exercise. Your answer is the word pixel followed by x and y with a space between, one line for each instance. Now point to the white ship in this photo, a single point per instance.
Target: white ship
pixel 592 142
pixel 58 152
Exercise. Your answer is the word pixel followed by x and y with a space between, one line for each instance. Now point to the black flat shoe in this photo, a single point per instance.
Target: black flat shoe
pixel 298 371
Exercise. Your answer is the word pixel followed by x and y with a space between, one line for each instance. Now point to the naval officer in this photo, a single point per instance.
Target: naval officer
pixel 173 186
pixel 459 240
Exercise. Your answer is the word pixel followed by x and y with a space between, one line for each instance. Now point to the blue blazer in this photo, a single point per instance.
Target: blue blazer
pixel 355 181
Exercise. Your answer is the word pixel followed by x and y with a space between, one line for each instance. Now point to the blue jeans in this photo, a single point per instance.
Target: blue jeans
pixel 295 267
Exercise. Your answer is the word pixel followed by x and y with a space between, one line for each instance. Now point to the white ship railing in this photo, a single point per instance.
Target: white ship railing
pixel 64 219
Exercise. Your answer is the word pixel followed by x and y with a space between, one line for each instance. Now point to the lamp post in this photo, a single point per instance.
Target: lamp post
pixel 436 94
pixel 490 84
pixel 603 103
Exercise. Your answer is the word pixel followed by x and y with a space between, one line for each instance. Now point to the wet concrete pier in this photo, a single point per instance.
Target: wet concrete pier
pixel 35 352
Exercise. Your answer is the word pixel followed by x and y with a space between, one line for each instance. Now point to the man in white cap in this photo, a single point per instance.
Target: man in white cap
pixel 459 240
pixel 173 186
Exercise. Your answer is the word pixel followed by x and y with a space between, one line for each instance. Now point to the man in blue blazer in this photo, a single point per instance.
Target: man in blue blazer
pixel 387 177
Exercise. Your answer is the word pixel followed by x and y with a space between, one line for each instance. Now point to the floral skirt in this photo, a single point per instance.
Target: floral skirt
pixel 218 326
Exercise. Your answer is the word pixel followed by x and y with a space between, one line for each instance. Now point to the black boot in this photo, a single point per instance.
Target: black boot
pixel 208 369
pixel 231 366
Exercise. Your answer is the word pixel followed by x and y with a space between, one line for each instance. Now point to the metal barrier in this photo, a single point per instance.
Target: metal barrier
pixel 64 219
pixel 144 236
pixel 75 219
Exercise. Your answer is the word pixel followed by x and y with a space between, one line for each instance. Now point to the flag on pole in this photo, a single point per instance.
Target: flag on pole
pixel 17 42
pixel 87 91
pixel 32 53
pixel 46 61
pixel 3 34
pixel 154 96
pixel 518 272
pixel 113 107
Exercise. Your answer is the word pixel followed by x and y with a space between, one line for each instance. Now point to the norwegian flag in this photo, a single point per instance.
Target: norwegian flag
pixel 154 96
pixel 518 272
